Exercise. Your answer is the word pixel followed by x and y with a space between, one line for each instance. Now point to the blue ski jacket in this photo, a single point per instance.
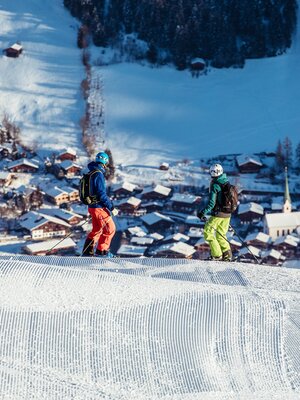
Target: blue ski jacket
pixel 98 187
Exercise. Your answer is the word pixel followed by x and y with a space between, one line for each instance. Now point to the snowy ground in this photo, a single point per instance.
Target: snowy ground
pixel 40 90
pixel 75 328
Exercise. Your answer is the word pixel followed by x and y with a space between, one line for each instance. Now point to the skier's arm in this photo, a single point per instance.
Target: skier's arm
pixel 212 199
pixel 100 187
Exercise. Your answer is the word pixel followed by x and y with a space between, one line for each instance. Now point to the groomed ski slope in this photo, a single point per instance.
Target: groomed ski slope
pixel 74 328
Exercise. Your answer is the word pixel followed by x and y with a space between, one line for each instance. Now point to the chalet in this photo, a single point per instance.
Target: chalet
pixel 156 193
pixel 247 253
pixel 70 168
pixel 285 222
pixel 131 251
pixel 203 247
pixel 156 221
pixel 129 206
pixel 248 164
pixel 286 245
pixel 22 165
pixel 67 216
pixel 176 237
pixel 45 247
pixel 5 178
pixel 58 196
pixel 192 220
pixel 67 154
pixel 235 244
pixel 32 195
pixel 6 150
pixel 198 64
pixel 139 231
pixel 259 240
pixel 42 226
pixel 164 166
pixel 194 234
pixel 272 257
pixel 152 206
pixel 175 250
pixel 250 212
pixel 124 189
pixel 142 241
pixel 14 51
pixel 185 203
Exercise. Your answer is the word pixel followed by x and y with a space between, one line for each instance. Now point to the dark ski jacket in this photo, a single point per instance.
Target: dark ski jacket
pixel 98 187
pixel 215 197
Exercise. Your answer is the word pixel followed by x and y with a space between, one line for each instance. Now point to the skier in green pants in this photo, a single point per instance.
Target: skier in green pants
pixel 217 225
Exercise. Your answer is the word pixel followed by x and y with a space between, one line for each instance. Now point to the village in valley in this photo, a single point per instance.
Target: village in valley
pixel 41 213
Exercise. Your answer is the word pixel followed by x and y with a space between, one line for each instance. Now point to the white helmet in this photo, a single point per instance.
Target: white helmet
pixel 216 170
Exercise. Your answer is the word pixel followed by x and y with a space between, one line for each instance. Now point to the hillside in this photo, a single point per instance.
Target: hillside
pixel 147 329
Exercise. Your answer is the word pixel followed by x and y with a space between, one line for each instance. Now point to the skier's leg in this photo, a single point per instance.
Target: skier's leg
pixel 96 224
pixel 222 230
pixel 108 230
pixel 210 237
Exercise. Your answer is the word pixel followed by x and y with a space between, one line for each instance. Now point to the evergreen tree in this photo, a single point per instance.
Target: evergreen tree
pixel 279 157
pixel 297 157
pixel 288 152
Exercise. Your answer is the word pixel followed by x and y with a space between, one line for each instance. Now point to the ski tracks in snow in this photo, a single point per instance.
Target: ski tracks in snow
pixel 147 329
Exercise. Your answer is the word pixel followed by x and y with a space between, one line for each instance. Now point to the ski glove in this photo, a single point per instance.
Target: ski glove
pixel 201 215
pixel 114 212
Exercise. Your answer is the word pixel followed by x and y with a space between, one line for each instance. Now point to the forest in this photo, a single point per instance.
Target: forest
pixel 223 32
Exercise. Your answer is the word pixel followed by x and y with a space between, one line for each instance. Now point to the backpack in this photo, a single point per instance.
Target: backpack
pixel 229 197
pixel 84 189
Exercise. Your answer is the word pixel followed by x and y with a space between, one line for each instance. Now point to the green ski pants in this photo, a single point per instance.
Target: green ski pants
pixel 214 229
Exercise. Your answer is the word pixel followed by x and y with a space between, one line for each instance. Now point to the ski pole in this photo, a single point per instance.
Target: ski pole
pixel 244 244
pixel 66 237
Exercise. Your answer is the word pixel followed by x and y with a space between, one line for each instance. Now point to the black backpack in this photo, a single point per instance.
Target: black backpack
pixel 229 198
pixel 84 189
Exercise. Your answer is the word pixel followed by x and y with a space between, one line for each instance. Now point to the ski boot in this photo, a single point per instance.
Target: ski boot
pixel 104 254
pixel 88 248
pixel 212 258
pixel 227 255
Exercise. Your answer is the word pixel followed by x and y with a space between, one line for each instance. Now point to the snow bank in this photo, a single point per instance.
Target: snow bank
pixel 147 329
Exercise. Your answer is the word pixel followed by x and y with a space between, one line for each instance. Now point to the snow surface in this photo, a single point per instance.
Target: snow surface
pixel 78 328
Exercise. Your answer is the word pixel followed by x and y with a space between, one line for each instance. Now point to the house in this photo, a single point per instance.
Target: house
pixel 250 212
pixel 156 193
pixel 185 203
pixel 5 178
pixel 131 251
pixel 124 189
pixel 248 164
pixel 157 221
pixel 59 195
pixel 194 234
pixel 14 51
pixel 198 64
pixel 272 257
pixel 176 237
pixel 142 241
pixel 30 195
pixel 235 244
pixel 259 239
pixel 67 154
pixel 202 246
pixel 285 222
pixel 152 206
pixel 47 247
pixel 174 250
pixel 42 226
pixel 68 216
pixel 129 206
pixel 192 220
pixel 70 168
pixel 22 165
pixel 164 166
pixel 249 253
pixel 286 245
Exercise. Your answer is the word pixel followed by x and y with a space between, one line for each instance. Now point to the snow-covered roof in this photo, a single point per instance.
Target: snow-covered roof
pixel 260 236
pixel 245 159
pixel 185 198
pixel 193 220
pixel 133 201
pixel 69 151
pixel 250 250
pixel 197 60
pixel 177 237
pixel 156 236
pixel 234 241
pixel 283 220
pixel 66 215
pixel 54 191
pixel 288 239
pixel 146 240
pixel 153 218
pixel 16 47
pixel 272 253
pixel 22 161
pixel 253 207
pixel 33 220
pixel 48 244
pixel 195 232
pixel 139 231
pixel 130 187
pixel 128 250
pixel 163 190
pixel 178 247
pixel 67 164
pixel 4 175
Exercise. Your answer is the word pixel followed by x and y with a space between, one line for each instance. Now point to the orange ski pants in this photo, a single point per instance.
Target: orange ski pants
pixel 103 227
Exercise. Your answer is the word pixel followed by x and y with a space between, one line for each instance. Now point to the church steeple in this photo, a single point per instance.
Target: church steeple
pixel 287 205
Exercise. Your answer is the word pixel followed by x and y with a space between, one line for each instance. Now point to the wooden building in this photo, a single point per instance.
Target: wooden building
pixel 174 250
pixel 259 239
pixel 59 195
pixel 67 154
pixel 158 192
pixel 185 203
pixel 198 64
pixel 157 221
pixel 129 206
pixel 124 189
pixel 250 212
pixel 46 247
pixel 14 51
pixel 248 164
pixel 272 257
pixel 70 168
pixel 5 178
pixel 286 245
pixel 23 165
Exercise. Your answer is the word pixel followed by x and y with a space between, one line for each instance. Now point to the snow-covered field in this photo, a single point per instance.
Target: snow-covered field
pixel 40 90
pixel 147 329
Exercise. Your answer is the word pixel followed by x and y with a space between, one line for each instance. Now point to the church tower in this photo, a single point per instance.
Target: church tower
pixel 287 205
